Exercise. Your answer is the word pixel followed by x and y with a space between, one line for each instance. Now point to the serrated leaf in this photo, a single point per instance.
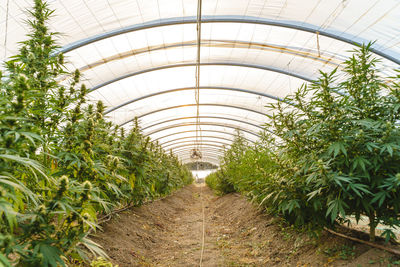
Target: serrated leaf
pixel 51 255
pixel 4 261
pixel 379 196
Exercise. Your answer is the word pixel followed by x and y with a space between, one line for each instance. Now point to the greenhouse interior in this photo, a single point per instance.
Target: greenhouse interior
pixel 200 133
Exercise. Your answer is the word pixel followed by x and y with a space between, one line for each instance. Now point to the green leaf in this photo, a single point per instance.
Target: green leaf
pixel 359 187
pixel 336 148
pixel 388 234
pixel 51 255
pixel 339 179
pixel 314 193
pixel 370 146
pixel 388 148
pixel 7 211
pixel 293 203
pixel 336 207
pixel 360 162
pixel 94 248
pixel 379 196
pixel 4 261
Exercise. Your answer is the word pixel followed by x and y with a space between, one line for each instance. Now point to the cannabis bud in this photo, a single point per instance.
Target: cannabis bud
pixel 90 109
pixel 87 185
pixel 42 209
pixel 2 192
pixel 83 90
pixel 5 240
pixel 87 144
pixel 91 122
pixel 77 76
pixel 86 216
pixel 61 58
pixel 100 107
pixel 64 183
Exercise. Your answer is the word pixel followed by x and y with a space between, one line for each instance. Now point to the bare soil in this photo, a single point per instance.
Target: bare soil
pixel 169 232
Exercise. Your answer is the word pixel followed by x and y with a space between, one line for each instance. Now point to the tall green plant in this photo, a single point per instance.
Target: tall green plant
pixel 335 151
pixel 61 162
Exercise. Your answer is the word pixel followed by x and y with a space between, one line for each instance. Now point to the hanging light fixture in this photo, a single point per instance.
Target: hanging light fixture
pixel 195 154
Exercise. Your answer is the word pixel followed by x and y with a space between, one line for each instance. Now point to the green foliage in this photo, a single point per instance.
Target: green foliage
pixel 61 163
pixel 343 252
pixel 335 151
pixel 101 262
pixel 219 183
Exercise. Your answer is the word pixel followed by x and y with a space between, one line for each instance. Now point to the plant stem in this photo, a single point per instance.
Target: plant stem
pixel 372 226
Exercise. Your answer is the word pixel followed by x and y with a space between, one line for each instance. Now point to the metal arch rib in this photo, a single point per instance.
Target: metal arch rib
pixel 215 43
pixel 203 117
pixel 206 149
pixel 192 136
pixel 213 161
pixel 192 88
pixel 179 65
pixel 300 26
pixel 202 143
pixel 192 105
pixel 208 154
pixel 187 147
pixel 213 155
pixel 190 146
pixel 184 154
pixel 207 158
pixel 203 130
pixel 235 127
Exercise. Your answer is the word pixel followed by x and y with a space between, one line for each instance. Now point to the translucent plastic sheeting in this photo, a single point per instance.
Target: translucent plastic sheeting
pixel 140 85
pixel 359 19
pixel 209 151
pixel 205 147
pixel 210 122
pixel 206 115
pixel 204 138
pixel 105 60
pixel 182 130
pixel 225 98
pixel 182 134
pixel 186 159
pixel 139 57
pixel 210 147
pixel 207 112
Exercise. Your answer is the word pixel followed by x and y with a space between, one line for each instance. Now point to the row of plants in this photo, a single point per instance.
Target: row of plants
pixel 329 151
pixel 62 164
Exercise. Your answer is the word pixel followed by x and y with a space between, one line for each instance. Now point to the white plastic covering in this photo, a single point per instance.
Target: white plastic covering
pixel 139 57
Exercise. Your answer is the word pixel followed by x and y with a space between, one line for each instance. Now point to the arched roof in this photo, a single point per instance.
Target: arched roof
pixel 148 58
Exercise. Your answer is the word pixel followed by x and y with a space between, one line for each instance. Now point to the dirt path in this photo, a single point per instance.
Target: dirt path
pixel 169 233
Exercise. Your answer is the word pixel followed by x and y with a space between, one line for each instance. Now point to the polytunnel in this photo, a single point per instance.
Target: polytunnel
pixel 196 71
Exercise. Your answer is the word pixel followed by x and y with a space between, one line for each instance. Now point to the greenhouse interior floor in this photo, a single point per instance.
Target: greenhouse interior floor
pixel 169 232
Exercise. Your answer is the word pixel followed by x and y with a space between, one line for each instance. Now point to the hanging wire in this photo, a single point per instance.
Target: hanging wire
pixel 5 36
pixel 197 74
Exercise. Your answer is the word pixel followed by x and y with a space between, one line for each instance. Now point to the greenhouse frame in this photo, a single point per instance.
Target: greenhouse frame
pixel 142 58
